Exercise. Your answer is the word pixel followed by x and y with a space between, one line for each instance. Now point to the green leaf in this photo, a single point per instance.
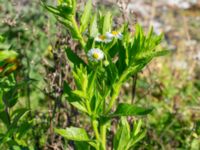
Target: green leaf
pixel 112 72
pixel 11 97
pixel 107 23
pixel 66 88
pixel 74 3
pixel 73 99
pixel 136 139
pixel 63 10
pixel 151 54
pixel 1 101
pixel 79 106
pixel 79 145
pixel 23 129
pixel 93 30
pixel 73 133
pixel 51 9
pixel 86 16
pixel 92 83
pixel 7 55
pixel 79 93
pixel 93 103
pixel 74 58
pixel 161 53
pixel 137 127
pixel 17 115
pixel 71 27
pixel 122 135
pixel 135 68
pixel 12 128
pixel 2 39
pixel 195 145
pixel 89 44
pixel 81 78
pixel 121 63
pixel 124 109
pixel 136 134
pixel 4 118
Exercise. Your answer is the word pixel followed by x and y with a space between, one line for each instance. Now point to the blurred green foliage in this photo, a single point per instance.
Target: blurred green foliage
pixel 25 28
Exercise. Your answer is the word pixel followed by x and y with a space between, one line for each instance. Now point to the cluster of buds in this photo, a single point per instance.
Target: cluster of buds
pixel 66 6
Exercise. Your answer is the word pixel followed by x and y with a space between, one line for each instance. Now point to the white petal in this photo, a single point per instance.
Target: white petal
pixel 109 35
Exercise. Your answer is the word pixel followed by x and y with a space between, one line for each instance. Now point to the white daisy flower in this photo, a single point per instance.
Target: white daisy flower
pixel 103 38
pixel 114 34
pixel 95 54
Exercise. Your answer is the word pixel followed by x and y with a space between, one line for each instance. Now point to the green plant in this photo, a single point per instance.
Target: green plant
pixel 9 87
pixel 25 39
pixel 111 57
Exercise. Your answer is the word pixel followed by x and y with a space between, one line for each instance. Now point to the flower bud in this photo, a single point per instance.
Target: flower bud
pixel 106 63
pixel 66 6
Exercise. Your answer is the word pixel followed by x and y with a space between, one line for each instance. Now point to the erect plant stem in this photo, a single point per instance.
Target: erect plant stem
pixel 96 132
pixel 113 97
pixel 103 136
pixel 116 89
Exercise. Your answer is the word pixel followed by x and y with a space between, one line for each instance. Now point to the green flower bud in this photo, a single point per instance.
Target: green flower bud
pixel 66 6
pixel 106 63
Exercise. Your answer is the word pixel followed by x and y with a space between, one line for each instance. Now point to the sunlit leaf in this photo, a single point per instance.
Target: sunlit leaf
pixel 122 136
pixel 73 133
pixel 136 139
pixel 124 109
pixel 93 26
pixel 74 58
pixel 107 23
pixel 86 16
pixel 9 55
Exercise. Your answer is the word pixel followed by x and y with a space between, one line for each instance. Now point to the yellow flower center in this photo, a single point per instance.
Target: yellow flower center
pixel 102 37
pixel 115 33
pixel 95 56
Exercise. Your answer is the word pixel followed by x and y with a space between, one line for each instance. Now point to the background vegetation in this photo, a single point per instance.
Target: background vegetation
pixel 170 84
